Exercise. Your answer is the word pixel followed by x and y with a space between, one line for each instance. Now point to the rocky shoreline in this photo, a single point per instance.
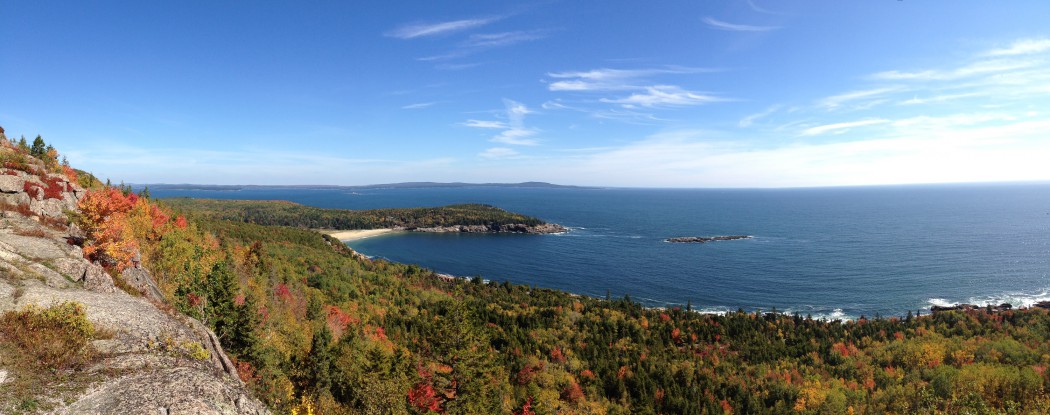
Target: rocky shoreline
pixel 542 229
pixel 705 239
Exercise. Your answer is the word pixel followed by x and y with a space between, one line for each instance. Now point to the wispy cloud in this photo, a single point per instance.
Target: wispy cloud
pixel 664 96
pixel 836 101
pixel 498 152
pixel 760 9
pixel 974 69
pixel 842 127
pixel 514 132
pixel 733 27
pixel 413 31
pixel 1023 47
pixel 484 124
pixel 606 79
pixel 418 106
pixel 492 40
pixel 750 119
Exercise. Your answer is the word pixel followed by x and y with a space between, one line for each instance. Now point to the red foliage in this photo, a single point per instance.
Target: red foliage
pixel 194 299
pixel 587 374
pixel 281 291
pixel 180 222
pixel 54 187
pixel 572 393
pixel 676 335
pixel 528 372
pixel 659 396
pixel 526 409
pixel 245 371
pixel 32 189
pixel 422 395
pixel 380 333
pixel 664 317
pixel 9 172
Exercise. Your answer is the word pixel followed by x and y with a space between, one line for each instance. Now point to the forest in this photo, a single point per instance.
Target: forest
pixel 315 328
pixel 282 213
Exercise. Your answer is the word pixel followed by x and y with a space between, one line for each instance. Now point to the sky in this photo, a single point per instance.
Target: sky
pixel 702 93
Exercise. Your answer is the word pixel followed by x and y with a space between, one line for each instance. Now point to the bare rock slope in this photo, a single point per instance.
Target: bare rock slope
pixel 156 361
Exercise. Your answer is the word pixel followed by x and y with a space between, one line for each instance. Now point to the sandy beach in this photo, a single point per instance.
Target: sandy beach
pixel 353 235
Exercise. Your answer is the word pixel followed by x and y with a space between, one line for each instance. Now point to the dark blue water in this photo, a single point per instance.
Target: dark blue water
pixel 831 252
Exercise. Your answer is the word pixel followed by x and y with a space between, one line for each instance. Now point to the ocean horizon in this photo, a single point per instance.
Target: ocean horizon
pixel 834 253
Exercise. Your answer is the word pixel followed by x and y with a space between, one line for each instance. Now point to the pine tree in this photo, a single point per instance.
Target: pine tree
pixel 22 144
pixel 39 148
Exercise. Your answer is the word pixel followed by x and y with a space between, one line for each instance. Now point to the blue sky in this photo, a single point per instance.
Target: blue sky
pixel 713 93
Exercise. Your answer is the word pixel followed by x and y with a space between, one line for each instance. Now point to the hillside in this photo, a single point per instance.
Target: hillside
pixel 71 341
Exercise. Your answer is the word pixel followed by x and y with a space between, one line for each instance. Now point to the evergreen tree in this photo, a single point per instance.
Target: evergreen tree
pixel 144 193
pixel 319 362
pixel 239 336
pixel 39 148
pixel 22 144
pixel 221 287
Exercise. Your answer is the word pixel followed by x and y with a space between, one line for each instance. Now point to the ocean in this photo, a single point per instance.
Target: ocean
pixel 827 252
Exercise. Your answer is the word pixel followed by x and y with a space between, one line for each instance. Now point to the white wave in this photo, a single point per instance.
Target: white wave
pixel 940 302
pixel 1014 298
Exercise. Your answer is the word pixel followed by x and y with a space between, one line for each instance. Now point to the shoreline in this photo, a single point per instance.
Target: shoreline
pixel 355 234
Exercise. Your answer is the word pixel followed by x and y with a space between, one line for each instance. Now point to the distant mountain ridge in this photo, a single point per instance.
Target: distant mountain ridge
pixel 404 185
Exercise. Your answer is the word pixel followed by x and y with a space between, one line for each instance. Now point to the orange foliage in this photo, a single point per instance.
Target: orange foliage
pixel 70 174
pixel 557 356
pixel 115 224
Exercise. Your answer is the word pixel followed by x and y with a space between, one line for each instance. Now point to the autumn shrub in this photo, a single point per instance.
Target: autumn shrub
pixel 54 187
pixel 34 190
pixel 103 217
pixel 21 208
pixel 54 338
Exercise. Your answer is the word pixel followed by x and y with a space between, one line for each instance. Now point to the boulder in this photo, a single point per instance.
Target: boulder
pixel 11 184
pixel 96 279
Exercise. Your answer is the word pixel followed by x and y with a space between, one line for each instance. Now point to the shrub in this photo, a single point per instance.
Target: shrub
pixel 55 338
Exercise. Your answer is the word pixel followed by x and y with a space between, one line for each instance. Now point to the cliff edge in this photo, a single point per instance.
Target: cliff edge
pixel 142 358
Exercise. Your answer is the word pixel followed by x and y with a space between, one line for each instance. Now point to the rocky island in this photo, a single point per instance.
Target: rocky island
pixel 705 239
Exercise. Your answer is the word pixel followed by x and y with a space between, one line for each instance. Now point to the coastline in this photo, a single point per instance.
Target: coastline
pixel 356 234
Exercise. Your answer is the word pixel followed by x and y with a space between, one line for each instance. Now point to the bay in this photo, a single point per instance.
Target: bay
pixel 828 252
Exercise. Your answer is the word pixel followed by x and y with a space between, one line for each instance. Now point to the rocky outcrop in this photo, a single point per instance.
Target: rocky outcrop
pixel 156 361
pixel 545 228
pixel 48 195
pixel 706 239
pixel 969 307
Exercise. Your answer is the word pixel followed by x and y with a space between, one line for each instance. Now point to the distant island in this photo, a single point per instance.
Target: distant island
pixel 705 239
pixel 405 185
